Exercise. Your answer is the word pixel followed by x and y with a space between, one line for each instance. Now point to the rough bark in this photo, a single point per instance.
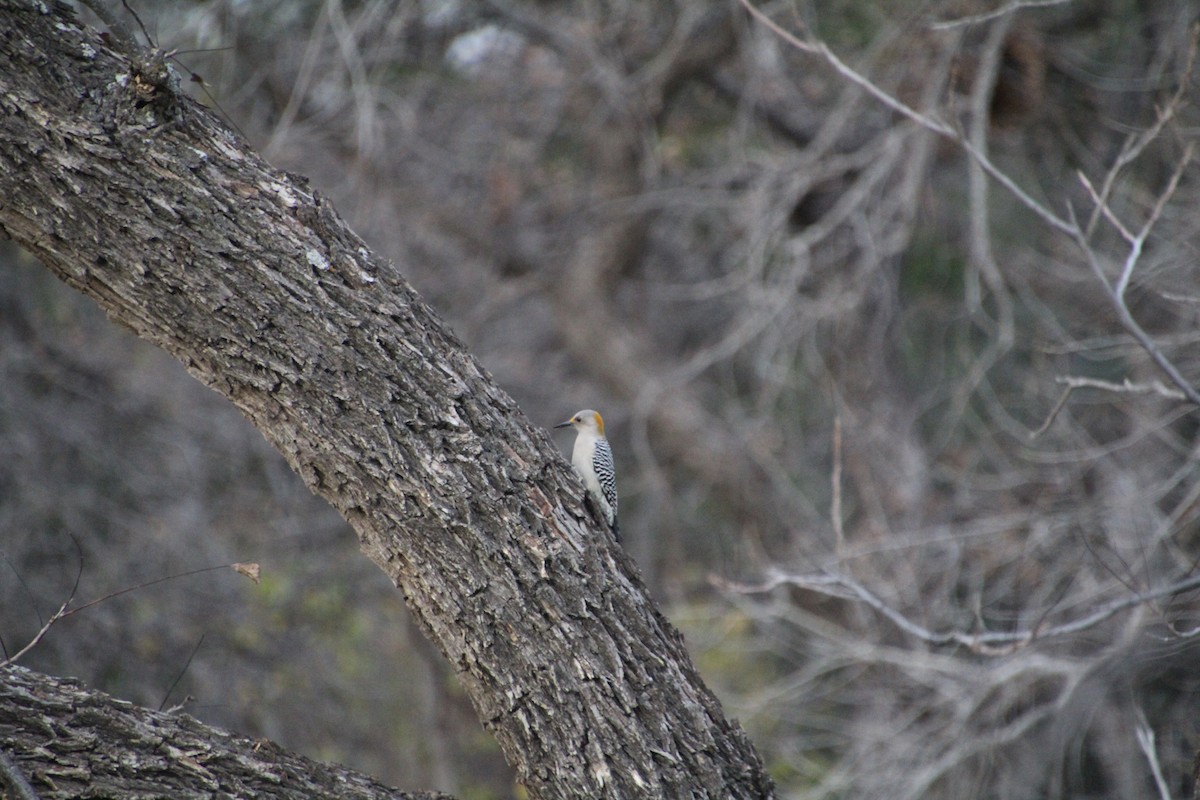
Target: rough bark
pixel 140 198
pixel 67 741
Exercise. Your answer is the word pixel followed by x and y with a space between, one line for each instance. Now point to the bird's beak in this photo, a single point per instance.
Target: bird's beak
pixel 566 424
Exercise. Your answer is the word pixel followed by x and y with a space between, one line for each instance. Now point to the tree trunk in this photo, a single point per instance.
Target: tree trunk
pixel 138 197
pixel 68 741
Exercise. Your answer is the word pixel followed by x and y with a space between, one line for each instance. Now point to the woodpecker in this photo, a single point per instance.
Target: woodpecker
pixel 593 460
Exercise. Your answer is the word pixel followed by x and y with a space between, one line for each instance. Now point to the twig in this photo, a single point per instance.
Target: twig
pixel 1104 208
pixel 1139 241
pixel 56 616
pixel 1137 143
pixel 1073 382
pixel 835 480
pixel 1116 292
pixel 1127 386
pixel 1136 241
pixel 1145 740
pixel 65 609
pixel 1133 328
pixel 182 672
pixel 138 20
pixel 1059 405
pixel 37 637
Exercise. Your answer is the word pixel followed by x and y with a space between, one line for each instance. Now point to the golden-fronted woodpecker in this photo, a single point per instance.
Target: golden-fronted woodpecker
pixel 593 460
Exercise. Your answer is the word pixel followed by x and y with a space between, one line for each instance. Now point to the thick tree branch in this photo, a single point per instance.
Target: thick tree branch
pixel 67 741
pixel 141 199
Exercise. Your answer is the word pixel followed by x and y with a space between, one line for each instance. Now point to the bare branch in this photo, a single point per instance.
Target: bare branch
pixel 55 617
pixel 41 634
pixel 1145 740
pixel 1073 382
pixel 1137 144
pixel 939 127
pixel 835 488
pixel 987 16
pixel 1127 386
pixel 1102 205
pixel 991 643
pixel 1139 241
pixel 1068 226
pixel 982 254
pixel 65 609
pixel 1058 406
pixel 1131 325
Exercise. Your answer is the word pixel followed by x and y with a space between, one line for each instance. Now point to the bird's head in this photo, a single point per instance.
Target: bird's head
pixel 586 420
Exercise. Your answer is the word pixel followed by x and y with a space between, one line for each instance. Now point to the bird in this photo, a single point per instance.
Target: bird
pixel 593 461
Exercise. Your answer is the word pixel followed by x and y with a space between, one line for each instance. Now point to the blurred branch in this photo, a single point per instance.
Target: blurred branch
pixel 301 82
pixel 835 488
pixel 982 254
pixel 1136 144
pixel 616 349
pixel 1145 739
pixel 995 13
pixel 1003 11
pixel 1069 225
pixel 819 48
pixel 1127 386
pixel 991 643
pixel 1116 292
pixel 1102 208
pixel 365 116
